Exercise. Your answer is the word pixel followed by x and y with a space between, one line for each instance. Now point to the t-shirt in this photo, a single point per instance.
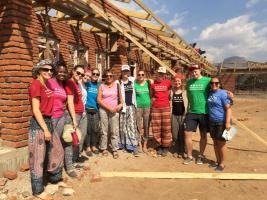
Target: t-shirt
pixel 217 101
pixel 72 88
pixel 128 90
pixel 197 93
pixel 92 91
pixel 84 92
pixel 161 94
pixel 178 104
pixel 142 95
pixel 60 97
pixel 110 95
pixel 46 97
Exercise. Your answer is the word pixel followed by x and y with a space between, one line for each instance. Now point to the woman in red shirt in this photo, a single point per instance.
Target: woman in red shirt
pixel 161 122
pixel 42 140
pixel 76 109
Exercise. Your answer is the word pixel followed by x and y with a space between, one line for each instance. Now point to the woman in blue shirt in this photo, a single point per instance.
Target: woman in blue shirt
pixel 219 106
pixel 93 127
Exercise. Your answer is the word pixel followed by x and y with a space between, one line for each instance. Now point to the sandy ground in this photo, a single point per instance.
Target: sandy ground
pixel 245 155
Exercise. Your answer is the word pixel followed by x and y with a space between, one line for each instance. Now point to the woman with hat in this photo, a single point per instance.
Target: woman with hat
pixel 43 143
pixel 161 123
pixel 128 131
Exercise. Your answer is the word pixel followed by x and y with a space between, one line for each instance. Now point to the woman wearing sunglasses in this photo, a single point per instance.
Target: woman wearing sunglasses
pixel 219 107
pixel 92 110
pixel 110 101
pixel 76 108
pixel 43 142
pixel 143 104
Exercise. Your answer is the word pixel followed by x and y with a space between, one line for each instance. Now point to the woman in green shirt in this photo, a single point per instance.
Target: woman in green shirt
pixel 143 104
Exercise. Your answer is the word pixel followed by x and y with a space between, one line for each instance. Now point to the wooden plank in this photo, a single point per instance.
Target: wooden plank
pixel 152 26
pixel 186 175
pixel 136 14
pixel 124 1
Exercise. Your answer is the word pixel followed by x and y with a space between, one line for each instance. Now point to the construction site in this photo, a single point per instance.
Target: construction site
pixel 99 34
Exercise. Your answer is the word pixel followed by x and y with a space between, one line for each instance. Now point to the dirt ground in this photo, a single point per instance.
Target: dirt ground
pixel 245 155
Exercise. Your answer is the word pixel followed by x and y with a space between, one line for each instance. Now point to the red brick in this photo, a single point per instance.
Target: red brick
pixel 18 80
pixel 11 175
pixel 14 120
pixel 3 181
pixel 9 132
pixel 15 144
pixel 16 73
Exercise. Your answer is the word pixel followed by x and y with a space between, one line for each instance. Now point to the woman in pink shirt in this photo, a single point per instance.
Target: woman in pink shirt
pixel 110 101
pixel 57 85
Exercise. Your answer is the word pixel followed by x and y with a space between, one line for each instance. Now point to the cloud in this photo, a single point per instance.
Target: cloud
pixel 252 3
pixel 239 36
pixel 178 19
pixel 162 10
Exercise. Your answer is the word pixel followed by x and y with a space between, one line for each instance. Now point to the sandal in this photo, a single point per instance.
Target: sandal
pixel 105 153
pixel 115 155
pixel 44 196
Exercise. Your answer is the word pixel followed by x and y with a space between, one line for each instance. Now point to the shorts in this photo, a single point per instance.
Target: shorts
pixel 216 130
pixel 193 120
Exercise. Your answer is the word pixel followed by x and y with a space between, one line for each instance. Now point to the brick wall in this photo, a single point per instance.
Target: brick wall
pixel 228 82
pixel 15 70
pixel 19 29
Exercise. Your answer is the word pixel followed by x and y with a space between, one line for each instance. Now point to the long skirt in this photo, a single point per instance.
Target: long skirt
pixel 44 157
pixel 129 136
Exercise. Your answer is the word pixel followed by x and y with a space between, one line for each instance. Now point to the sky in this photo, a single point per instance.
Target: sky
pixel 223 28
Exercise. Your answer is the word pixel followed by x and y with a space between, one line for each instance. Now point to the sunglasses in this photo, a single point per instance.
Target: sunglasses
pixel 215 83
pixel 80 74
pixel 109 76
pixel 141 74
pixel 47 70
pixel 95 74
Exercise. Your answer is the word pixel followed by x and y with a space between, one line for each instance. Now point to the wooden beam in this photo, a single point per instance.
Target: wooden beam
pixel 124 1
pixel 186 175
pixel 136 14
pixel 132 39
pixel 162 33
pixel 152 26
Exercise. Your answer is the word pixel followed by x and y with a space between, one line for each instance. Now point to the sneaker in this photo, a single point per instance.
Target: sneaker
pixel 200 160
pixel 165 152
pixel 159 151
pixel 72 174
pixel 188 160
pixel 89 153
pixel 81 159
pixel 78 165
pixel 213 165
pixel 219 168
pixel 136 153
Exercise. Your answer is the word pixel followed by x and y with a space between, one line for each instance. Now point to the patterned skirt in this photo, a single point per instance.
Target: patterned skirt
pixel 129 136
pixel 45 158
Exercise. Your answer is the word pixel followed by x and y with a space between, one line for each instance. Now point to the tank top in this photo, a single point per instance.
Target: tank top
pixel 178 104
pixel 110 95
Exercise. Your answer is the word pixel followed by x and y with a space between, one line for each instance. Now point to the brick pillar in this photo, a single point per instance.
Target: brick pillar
pixel 119 58
pixel 15 70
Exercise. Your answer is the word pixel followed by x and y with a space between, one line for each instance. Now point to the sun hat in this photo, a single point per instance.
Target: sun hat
pixel 39 65
pixel 162 70
pixel 125 68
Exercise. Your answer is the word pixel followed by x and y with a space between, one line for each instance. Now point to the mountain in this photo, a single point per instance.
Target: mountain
pixel 233 61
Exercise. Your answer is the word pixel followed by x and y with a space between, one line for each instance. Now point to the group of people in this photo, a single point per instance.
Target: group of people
pixel 114 115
